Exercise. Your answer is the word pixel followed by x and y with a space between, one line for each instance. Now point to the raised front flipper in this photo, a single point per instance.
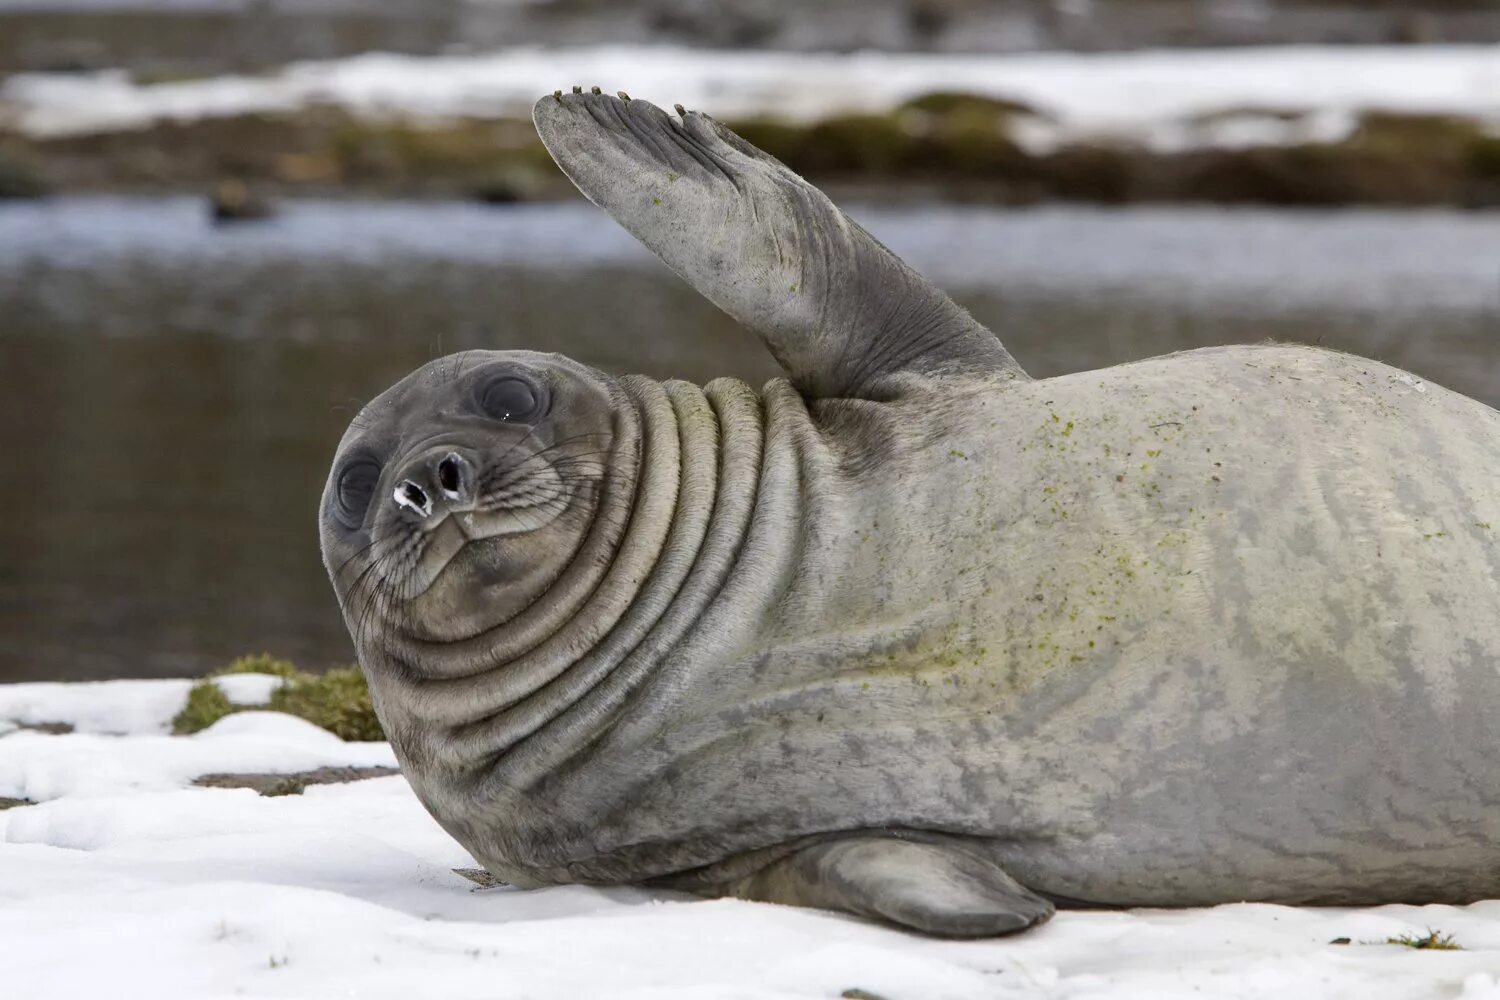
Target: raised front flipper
pixel 935 888
pixel 839 311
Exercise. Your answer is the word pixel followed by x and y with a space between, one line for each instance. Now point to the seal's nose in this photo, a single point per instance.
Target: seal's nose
pixel 444 479
pixel 411 497
pixel 453 476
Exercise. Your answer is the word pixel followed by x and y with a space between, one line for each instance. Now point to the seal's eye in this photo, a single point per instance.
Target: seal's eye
pixel 510 399
pixel 356 487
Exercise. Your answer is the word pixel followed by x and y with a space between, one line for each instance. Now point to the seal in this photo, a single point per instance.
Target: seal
pixel 909 634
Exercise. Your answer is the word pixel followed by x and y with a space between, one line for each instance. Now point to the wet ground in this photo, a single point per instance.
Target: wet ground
pixel 171 393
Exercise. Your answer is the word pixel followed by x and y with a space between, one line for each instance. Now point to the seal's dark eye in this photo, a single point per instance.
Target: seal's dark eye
pixel 511 399
pixel 356 487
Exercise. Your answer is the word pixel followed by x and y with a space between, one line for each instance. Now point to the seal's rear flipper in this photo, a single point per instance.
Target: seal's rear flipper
pixel 935 888
pixel 837 309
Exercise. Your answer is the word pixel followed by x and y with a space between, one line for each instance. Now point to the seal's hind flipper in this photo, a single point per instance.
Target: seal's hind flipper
pixel 937 888
pixel 840 312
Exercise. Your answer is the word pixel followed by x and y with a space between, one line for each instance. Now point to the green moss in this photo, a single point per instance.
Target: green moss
pixel 937 136
pixel 1414 134
pixel 260 663
pixel 206 704
pixel 338 700
pixel 849 144
pixel 948 103
pixel 1431 941
pixel 480 152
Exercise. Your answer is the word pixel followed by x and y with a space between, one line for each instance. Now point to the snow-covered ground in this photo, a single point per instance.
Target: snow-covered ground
pixel 1253 95
pixel 125 880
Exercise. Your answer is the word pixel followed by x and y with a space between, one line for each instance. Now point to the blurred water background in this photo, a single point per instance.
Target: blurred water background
pixel 171 390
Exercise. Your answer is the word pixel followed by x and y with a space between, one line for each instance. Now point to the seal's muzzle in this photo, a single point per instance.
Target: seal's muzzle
pixel 438 482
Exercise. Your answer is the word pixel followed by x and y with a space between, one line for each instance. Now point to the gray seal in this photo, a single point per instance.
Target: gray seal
pixel 909 634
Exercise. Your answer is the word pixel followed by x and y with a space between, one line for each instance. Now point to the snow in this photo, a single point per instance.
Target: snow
pixel 1160 98
pixel 96 707
pixel 119 706
pixel 248 689
pixel 130 882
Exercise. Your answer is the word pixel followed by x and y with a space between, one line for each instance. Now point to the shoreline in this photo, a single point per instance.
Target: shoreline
pixel 942 147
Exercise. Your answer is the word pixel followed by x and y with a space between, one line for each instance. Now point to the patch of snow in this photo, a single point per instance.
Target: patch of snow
pixel 96 707
pixel 248 689
pixel 347 890
pixel 1152 97
pixel 43 767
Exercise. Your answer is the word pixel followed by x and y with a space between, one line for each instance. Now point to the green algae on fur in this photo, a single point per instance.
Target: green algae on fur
pixel 337 700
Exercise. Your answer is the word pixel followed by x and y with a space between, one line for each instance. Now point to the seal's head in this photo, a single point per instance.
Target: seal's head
pixel 460 494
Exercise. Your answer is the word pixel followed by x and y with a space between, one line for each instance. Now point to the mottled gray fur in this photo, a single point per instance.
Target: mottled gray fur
pixel 912 635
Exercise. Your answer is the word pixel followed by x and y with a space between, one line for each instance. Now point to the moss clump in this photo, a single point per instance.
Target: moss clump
pixel 260 663
pixel 206 704
pixel 1431 941
pixel 950 137
pixel 1416 135
pixel 338 700
pixel 946 103
pixel 465 151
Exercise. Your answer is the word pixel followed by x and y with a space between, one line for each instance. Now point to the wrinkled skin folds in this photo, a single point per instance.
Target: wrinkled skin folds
pixel 909 634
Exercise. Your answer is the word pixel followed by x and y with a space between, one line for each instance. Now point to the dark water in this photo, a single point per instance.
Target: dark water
pixel 171 394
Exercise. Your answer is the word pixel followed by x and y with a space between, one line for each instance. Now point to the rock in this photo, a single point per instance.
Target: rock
pixel 292 784
pixel 233 201
pixel 507 187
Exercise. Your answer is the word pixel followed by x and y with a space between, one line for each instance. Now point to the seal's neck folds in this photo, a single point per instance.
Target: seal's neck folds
pixel 673 512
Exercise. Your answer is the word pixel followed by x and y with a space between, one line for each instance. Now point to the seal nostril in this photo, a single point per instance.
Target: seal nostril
pixel 450 476
pixel 412 497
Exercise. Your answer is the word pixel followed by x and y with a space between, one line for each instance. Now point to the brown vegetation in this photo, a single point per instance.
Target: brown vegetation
pixel 956 146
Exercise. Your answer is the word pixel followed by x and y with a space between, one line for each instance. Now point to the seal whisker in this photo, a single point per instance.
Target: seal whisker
pixel 339 572
pixel 543 456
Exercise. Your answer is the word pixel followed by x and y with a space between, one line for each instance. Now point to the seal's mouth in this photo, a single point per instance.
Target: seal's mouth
pixel 445 535
pixel 433 522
